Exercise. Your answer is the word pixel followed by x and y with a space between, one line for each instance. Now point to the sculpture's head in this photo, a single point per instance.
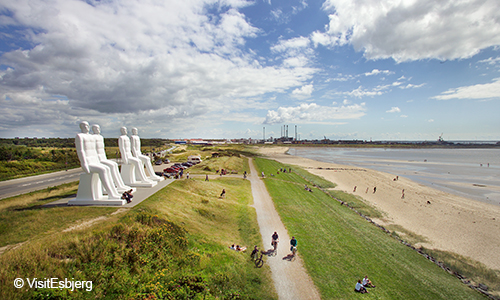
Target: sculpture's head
pixel 134 131
pixel 123 130
pixel 84 126
pixel 96 129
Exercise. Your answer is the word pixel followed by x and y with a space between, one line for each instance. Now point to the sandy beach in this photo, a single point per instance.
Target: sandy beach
pixel 448 222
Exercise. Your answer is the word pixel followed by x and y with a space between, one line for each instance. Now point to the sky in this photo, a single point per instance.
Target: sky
pixel 340 69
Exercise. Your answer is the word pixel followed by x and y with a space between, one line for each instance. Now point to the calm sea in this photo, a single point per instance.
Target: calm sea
pixel 471 173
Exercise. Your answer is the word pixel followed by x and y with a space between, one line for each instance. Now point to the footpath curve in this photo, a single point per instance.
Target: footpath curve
pixel 290 278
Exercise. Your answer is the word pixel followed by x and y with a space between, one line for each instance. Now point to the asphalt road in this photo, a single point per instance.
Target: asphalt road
pixel 25 185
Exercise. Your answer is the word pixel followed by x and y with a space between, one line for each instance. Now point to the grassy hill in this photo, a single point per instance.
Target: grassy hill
pixel 339 247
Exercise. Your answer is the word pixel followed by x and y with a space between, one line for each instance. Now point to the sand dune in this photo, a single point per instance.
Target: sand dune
pixel 451 223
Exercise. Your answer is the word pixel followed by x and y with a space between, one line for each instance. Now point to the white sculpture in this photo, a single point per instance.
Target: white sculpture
pixel 96 174
pixel 136 151
pixel 113 166
pixel 132 167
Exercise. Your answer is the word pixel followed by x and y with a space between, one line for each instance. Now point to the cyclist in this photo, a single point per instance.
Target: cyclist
pixel 255 251
pixel 275 240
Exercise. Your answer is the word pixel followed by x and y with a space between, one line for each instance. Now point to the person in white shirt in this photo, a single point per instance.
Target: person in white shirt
pixel 367 283
pixel 360 288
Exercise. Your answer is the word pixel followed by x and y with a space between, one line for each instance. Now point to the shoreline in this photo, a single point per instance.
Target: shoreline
pixel 448 222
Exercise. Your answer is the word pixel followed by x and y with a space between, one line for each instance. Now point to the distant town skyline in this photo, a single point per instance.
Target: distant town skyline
pixel 340 69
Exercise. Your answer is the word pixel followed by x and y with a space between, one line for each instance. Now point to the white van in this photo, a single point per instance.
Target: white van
pixel 194 159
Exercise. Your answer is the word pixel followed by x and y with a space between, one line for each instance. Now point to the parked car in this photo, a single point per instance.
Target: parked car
pixel 171 170
pixel 166 160
pixel 158 162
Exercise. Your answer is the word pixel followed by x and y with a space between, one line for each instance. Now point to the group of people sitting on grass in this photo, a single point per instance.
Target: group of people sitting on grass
pixel 307 188
pixel 237 248
pixel 362 284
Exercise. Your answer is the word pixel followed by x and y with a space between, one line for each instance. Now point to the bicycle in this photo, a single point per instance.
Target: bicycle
pixel 259 262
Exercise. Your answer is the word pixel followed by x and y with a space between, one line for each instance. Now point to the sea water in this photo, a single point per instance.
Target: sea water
pixel 471 173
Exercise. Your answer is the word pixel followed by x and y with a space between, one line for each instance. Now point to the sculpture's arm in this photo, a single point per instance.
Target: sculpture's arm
pixel 81 154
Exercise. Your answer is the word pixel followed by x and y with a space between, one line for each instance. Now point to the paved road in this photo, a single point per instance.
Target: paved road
pixel 25 185
pixel 290 278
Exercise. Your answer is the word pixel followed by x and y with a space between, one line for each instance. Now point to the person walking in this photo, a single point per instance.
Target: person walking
pixel 275 240
pixel 293 243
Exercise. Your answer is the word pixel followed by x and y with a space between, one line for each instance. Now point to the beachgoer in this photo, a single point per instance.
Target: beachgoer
pixel 366 190
pixel 374 189
pixel 354 190
pixel 293 243
pixel 367 283
pixel 360 288
pixel 223 193
pixel 403 194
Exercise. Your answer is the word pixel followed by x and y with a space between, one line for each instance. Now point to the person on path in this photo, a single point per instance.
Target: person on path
pixel 206 177
pixel 293 243
pixel 187 175
pixel 275 240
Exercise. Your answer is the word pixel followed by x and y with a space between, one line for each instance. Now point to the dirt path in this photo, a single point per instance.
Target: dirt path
pixel 290 278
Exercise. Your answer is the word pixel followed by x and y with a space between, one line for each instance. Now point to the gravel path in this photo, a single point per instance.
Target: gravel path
pixel 290 278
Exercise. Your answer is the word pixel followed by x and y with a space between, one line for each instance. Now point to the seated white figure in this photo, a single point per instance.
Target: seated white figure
pixel 90 187
pixel 113 166
pixel 136 151
pixel 132 167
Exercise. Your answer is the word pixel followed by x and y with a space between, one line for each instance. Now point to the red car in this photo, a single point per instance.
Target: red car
pixel 171 170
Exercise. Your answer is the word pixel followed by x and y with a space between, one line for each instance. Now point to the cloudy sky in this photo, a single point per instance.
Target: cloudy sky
pixel 344 69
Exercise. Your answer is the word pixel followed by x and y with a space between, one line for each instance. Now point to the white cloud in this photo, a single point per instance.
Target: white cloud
pixel 478 91
pixel 412 86
pixel 409 30
pixel 303 92
pixel 404 116
pixel 313 113
pixel 377 72
pixel 490 61
pixel 135 60
pixel 430 120
pixel 294 43
pixel 361 92
pixel 394 110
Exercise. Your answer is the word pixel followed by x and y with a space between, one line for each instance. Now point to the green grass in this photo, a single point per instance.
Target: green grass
pixel 339 247
pixel 357 203
pixel 23 217
pixel 173 245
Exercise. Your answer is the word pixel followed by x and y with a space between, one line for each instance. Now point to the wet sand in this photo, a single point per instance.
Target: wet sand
pixel 448 222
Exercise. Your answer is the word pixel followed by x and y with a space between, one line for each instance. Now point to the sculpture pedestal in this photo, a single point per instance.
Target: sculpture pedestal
pixel 128 173
pixel 90 192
